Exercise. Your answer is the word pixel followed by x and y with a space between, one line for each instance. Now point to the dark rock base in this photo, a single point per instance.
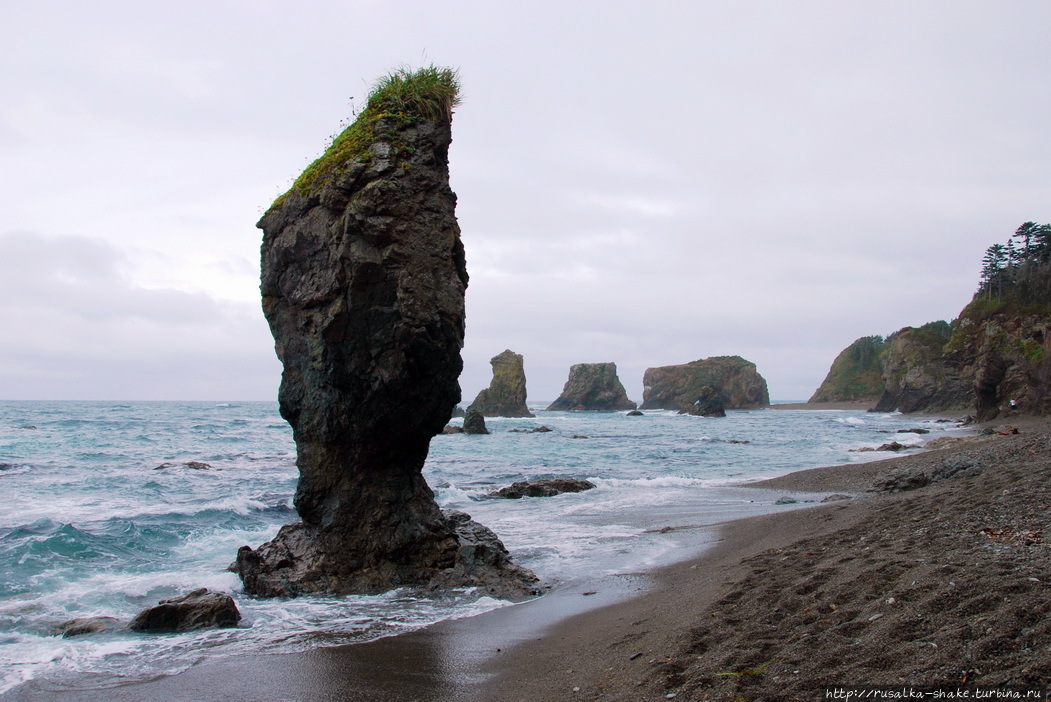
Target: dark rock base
pixel 297 562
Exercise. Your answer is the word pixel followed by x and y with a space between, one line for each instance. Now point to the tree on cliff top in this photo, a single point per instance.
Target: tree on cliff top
pixel 1018 275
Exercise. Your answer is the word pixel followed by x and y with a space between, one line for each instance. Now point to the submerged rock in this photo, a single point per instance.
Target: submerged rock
pixel 192 465
pixel 593 386
pixel 88 625
pixel 547 487
pixel 363 279
pixel 196 610
pixel 506 394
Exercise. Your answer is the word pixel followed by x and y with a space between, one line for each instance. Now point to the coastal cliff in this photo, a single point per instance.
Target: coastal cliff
pixel 995 357
pixel 918 375
pixel 856 374
pixel 593 386
pixel 363 279
pixel 737 382
pixel 506 394
pixel 1007 359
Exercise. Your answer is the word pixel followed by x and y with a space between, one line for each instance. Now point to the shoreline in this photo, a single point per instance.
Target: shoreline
pixel 636 637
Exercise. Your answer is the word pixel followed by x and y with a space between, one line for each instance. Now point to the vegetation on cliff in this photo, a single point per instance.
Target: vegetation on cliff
pixel 1017 275
pixel 506 394
pixel 995 356
pixel 400 99
pixel 855 374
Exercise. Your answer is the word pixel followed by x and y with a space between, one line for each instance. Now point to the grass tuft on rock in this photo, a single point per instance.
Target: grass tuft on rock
pixel 400 99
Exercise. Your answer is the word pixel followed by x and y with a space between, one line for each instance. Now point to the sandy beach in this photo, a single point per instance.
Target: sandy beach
pixel 944 584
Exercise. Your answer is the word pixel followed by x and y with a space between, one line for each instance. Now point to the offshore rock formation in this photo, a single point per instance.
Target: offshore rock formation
pixel 363 279
pixel 709 403
pixel 593 386
pixel 679 387
pixel 474 423
pixel 547 487
pixel 917 375
pixel 856 374
pixel 506 394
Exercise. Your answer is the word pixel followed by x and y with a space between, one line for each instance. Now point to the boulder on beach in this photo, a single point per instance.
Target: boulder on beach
pixel 593 386
pixel 547 487
pixel 196 610
pixel 506 394
pixel 678 387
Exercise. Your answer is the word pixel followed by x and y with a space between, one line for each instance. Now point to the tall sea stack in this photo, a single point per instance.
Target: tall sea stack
pixel 506 394
pixel 363 279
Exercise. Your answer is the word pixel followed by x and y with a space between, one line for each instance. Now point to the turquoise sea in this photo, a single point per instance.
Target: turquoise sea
pixel 93 523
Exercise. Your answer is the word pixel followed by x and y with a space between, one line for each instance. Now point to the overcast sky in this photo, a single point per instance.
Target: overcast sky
pixel 647 183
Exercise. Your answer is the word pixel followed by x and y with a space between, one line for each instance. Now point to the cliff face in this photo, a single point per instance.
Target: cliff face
pixel 1005 357
pixel 363 279
pixel 917 373
pixel 855 373
pixel 678 387
pixel 593 386
pixel 506 394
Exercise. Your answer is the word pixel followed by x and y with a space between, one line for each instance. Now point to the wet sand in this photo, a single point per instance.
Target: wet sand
pixel 944 584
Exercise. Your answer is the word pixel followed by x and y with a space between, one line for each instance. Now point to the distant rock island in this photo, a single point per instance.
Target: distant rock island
pixel 593 386
pixel 995 357
pixel 363 279
pixel 735 380
pixel 506 394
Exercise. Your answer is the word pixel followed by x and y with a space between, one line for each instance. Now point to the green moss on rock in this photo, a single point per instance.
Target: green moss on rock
pixel 400 99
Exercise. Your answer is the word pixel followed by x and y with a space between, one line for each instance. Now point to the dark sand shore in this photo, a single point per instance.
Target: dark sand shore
pixel 946 584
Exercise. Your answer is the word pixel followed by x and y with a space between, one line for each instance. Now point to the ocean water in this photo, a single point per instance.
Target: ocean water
pixel 93 523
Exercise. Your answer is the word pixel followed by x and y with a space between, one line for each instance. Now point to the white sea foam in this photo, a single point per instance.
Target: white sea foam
pixel 138 535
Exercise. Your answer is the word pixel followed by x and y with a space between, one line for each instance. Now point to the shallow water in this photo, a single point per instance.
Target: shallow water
pixel 92 524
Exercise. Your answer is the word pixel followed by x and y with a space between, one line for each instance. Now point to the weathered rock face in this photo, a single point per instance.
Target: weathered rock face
pixel 196 610
pixel 1004 358
pixel 593 386
pixel 709 403
pixel 474 423
pixel 918 375
pixel 855 373
pixel 678 387
pixel 547 487
pixel 363 279
pixel 506 394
